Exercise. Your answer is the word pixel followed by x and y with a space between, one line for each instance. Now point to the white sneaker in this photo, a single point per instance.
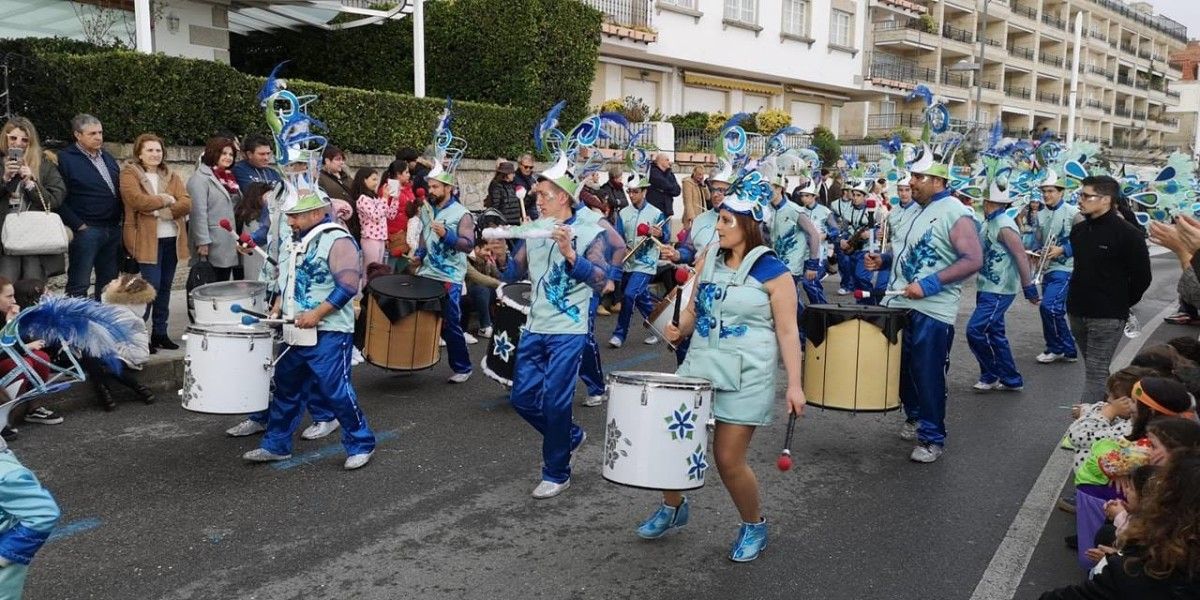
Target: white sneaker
pixel 356 357
pixel 441 343
pixel 245 428
pixel 485 332
pixel 652 340
pixel 459 377
pixel 1000 387
pixel 260 455
pixel 986 387
pixel 1049 357
pixel 926 453
pixel 470 338
pixel 355 461
pixel 842 291
pixel 615 342
pixel 549 489
pixel 594 400
pixel 319 429
pixel 908 431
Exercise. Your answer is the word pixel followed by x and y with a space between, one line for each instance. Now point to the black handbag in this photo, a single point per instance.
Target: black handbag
pixel 202 273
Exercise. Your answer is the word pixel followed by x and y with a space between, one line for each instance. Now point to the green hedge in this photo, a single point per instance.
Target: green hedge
pixel 187 100
pixel 529 53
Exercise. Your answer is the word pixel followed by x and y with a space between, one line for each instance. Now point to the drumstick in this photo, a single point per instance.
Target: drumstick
pixel 521 201
pixel 681 278
pixel 785 458
pixel 238 308
pixel 246 241
pixel 863 294
pixel 249 320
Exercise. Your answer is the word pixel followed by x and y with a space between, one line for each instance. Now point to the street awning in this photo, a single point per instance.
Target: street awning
pixel 246 16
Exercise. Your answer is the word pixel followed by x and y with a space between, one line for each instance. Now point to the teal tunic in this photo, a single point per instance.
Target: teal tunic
pixel 562 294
pixel 999 272
pixel 645 258
pixel 851 217
pixel 1055 224
pixel 442 262
pixel 921 248
pixel 704 230
pixel 734 323
pixel 27 515
pixel 788 239
pixel 819 213
pixel 315 281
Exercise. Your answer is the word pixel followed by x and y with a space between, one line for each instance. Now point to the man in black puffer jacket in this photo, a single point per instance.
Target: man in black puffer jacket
pixel 1112 271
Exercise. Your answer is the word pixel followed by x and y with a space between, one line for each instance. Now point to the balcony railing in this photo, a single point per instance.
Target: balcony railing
pixel 890 121
pixel 951 32
pixel 1128 48
pixel 628 13
pixel 1139 115
pixel 993 42
pixel 1125 80
pixel 1121 111
pixel 1171 122
pixel 1016 92
pixel 1097 34
pixel 1049 97
pixel 1019 134
pixel 702 140
pixel 1173 94
pixel 901 72
pixel 1054 21
pixel 1141 85
pixel 1093 103
pixel 1018 51
pixel 1025 11
pixel 1050 59
pixel 989 85
pixel 1159 22
pixel 1143 53
pixel 955 79
pixel 1101 71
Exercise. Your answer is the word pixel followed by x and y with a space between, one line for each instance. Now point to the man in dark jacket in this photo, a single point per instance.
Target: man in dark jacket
pixel 613 192
pixel 663 185
pixel 92 207
pixel 524 178
pixel 1112 271
pixel 257 164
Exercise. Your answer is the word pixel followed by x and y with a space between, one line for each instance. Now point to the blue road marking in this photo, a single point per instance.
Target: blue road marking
pixel 327 451
pixel 74 527
pixel 632 361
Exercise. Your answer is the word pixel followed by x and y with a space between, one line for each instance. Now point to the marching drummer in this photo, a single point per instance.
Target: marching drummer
pixel 857 220
pixel 703 233
pixel 931 255
pixel 319 274
pixel 566 270
pixel 645 229
pixel 822 218
pixel 789 225
pixel 744 317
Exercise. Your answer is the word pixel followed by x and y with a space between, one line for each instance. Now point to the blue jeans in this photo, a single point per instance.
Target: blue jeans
pixel 985 336
pixel 543 387
pixel 160 276
pixel 98 247
pixel 924 360
pixel 479 300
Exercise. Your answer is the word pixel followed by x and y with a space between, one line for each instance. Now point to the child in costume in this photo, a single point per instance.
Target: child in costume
pixel 27 516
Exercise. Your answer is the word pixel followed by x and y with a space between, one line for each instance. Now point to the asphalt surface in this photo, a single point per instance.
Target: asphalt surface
pixel 158 504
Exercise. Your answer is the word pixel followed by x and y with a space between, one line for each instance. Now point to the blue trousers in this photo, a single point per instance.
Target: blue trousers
pixel 97 247
pixel 860 279
pixel 452 329
pixel 637 293
pixel 591 372
pixel 845 266
pixel 985 336
pixel 543 387
pixel 319 375
pixel 924 361
pixel 160 276
pixel 1054 314
pixel 813 289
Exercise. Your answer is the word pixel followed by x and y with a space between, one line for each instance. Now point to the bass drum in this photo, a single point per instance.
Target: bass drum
pixel 852 356
pixel 509 317
pixel 404 322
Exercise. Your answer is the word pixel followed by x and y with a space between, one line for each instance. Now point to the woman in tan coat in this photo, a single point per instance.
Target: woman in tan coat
pixel 155 231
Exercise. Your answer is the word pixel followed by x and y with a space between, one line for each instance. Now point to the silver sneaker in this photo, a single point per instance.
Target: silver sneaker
pixel 615 342
pixel 908 431
pixel 650 341
pixel 549 489
pixel 245 428
pixel 356 461
pixel 594 400
pixel 985 387
pixel 926 453
pixel 459 377
pixel 260 455
pixel 319 430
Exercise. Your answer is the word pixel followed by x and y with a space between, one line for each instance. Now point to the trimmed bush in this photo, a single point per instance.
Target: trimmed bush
pixel 187 100
pixel 827 145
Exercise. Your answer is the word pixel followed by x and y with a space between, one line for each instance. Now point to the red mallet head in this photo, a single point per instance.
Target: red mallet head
pixel 420 193
pixel 643 229
pixel 226 225
pixel 246 240
pixel 682 236
pixel 861 294
pixel 785 461
pixel 682 275
pixel 872 204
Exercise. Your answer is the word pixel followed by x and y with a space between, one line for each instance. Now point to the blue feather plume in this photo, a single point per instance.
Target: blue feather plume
pixel 271 85
pixel 84 325
pixel 997 134
pixel 1047 136
pixel 734 120
pixel 548 123
pixel 921 92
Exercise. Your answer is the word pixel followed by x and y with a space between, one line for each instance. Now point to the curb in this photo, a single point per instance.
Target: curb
pixel 162 375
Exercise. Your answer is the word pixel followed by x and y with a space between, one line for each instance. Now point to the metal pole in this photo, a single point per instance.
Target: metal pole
pixel 141 20
pixel 1074 78
pixel 418 17
pixel 979 73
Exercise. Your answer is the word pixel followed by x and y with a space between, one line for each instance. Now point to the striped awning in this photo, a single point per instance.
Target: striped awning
pixel 727 83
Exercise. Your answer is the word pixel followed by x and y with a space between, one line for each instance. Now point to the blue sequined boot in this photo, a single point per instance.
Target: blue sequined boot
pixel 663 520
pixel 750 542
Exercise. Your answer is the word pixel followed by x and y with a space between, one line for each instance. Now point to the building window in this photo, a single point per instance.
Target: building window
pixel 744 11
pixel 688 4
pixel 839 28
pixel 887 107
pixel 795 18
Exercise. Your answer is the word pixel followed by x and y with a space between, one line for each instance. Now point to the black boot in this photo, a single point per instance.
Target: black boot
pixel 104 395
pixel 129 380
pixel 162 341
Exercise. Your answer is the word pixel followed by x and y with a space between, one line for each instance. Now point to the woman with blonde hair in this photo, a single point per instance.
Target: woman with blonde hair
pixel 31 182
pixel 155 230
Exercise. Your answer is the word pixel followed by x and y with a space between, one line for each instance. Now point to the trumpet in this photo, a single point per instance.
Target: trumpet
pixel 1043 258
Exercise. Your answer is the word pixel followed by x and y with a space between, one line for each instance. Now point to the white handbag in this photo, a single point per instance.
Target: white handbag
pixel 30 232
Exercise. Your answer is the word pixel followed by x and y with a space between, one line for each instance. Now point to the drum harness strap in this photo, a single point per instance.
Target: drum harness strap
pixel 292 335
pixel 739 278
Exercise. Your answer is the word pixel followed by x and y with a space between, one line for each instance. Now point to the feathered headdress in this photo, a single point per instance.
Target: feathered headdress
pixel 298 151
pixel 750 193
pixel 80 324
pixel 448 149
pixel 575 158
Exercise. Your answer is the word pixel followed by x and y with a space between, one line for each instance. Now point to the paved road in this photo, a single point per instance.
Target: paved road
pixel 158 504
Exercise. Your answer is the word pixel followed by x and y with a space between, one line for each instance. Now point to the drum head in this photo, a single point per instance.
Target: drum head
pixel 256 330
pixel 818 318
pixel 489 218
pixel 664 380
pixel 230 290
pixel 516 295
pixel 398 296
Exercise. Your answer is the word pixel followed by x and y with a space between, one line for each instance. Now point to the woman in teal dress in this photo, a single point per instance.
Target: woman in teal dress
pixel 743 317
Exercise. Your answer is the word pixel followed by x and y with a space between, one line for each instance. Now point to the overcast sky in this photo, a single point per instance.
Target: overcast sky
pixel 1183 11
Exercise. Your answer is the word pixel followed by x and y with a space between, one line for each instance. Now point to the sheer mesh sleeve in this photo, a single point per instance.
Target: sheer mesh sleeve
pixel 465 240
pixel 345 263
pixel 1012 241
pixel 970 254
pixel 614 248
pixel 591 265
pixel 517 267
pixel 814 236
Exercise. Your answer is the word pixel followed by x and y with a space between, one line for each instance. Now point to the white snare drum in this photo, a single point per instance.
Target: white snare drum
pixel 211 303
pixel 655 435
pixel 227 369
pixel 664 311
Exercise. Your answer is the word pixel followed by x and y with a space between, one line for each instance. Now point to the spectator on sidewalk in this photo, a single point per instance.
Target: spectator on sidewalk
pixel 524 178
pixel 1112 271
pixel 663 186
pixel 215 190
pixel 31 182
pixel 155 232
pixel 397 187
pixel 335 181
pixel 613 192
pixel 257 164
pixel 248 217
pixel 502 193
pixel 483 277
pixel 91 208
pixel 695 196
pixel 417 168
pixel 373 212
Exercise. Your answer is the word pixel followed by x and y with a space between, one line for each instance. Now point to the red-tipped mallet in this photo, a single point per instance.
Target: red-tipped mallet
pixel 681 277
pixel 245 240
pixel 785 458
pixel 643 229
pixel 863 295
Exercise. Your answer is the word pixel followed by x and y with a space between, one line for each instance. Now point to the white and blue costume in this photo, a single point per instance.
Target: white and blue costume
pixel 700 236
pixel 856 277
pixel 1054 225
pixel 554 338
pixel 326 265
pixel 445 259
pixel 28 514
pixel 1005 271
pixel 796 243
pixel 897 218
pixel 591 371
pixel 641 267
pixel 822 218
